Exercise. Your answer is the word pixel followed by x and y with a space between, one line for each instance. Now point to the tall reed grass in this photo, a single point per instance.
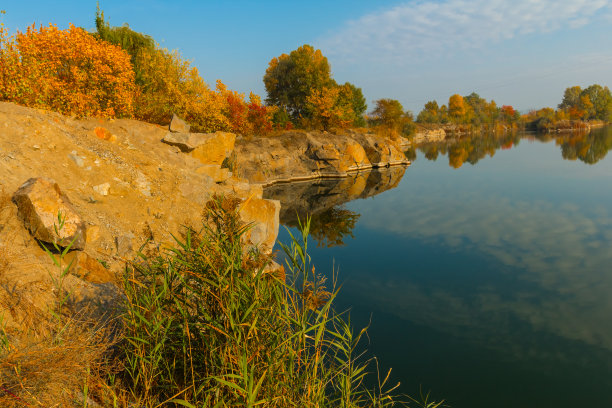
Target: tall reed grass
pixel 206 323
pixel 208 326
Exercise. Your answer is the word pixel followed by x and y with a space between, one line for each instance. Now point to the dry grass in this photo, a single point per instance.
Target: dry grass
pixel 48 364
pixel 5 203
pixel 55 367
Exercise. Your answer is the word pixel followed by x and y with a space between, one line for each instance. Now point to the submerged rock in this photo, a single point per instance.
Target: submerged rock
pixel 39 202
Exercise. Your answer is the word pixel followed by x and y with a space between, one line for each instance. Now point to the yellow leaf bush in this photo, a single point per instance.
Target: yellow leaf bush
pixel 171 85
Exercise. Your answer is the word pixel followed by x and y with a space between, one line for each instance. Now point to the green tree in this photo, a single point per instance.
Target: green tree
pixel 352 97
pixel 132 42
pixel 571 97
pixel 600 102
pixel 290 79
pixel 430 113
pixel 479 109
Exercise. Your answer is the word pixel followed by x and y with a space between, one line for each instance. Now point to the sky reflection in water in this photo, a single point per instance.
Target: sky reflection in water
pixel 489 284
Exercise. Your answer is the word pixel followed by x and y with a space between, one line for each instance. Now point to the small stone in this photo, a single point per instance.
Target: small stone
pixel 78 160
pixel 36 147
pixel 142 184
pixel 102 133
pixel 88 268
pixel 92 234
pixel 102 189
pixel 178 125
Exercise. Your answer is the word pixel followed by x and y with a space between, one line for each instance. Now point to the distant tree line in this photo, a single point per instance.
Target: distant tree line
pixel 592 103
pixel 469 110
pixel 118 72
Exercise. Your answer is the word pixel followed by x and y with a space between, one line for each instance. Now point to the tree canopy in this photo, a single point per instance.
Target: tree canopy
pixel 300 84
pixel 291 78
pixel 593 102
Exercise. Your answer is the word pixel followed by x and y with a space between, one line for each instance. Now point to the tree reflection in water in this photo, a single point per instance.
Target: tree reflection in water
pixel 588 147
pixel 330 227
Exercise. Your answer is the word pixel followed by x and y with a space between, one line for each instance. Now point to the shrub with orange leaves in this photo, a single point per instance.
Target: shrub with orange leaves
pixel 246 118
pixel 68 71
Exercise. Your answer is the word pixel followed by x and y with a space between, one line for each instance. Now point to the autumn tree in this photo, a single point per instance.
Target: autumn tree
pixel 509 114
pixel 325 111
pixel 593 102
pixel 430 113
pixel 352 97
pixel 456 107
pixel 389 114
pixel 301 86
pixel 291 78
pixel 168 84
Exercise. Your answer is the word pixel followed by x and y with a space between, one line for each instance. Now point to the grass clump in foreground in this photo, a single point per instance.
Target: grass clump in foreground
pixel 205 324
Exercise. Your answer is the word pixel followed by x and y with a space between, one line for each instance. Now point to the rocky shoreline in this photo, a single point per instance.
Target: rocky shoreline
pixel 129 186
pixel 300 155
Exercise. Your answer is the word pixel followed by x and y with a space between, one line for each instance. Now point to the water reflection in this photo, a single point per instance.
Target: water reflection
pixel 495 278
pixel 589 147
pixel 324 201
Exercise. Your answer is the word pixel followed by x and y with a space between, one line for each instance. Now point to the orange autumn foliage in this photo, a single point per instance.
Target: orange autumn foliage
pixel 324 110
pixel 246 118
pixel 171 85
pixel 68 71
pixel 74 72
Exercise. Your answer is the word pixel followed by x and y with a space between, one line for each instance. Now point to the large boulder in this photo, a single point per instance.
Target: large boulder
pixel 215 148
pixel 264 215
pixel 39 202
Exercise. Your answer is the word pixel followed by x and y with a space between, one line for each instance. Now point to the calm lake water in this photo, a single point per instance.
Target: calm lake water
pixel 487 279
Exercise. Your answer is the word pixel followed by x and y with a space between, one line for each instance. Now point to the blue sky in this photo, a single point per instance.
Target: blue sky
pixel 522 52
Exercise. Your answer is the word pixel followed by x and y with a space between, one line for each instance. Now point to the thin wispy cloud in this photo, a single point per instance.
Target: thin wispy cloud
pixel 420 27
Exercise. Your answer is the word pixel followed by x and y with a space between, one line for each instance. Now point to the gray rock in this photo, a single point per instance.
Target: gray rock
pixel 39 201
pixel 179 125
pixel 124 244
